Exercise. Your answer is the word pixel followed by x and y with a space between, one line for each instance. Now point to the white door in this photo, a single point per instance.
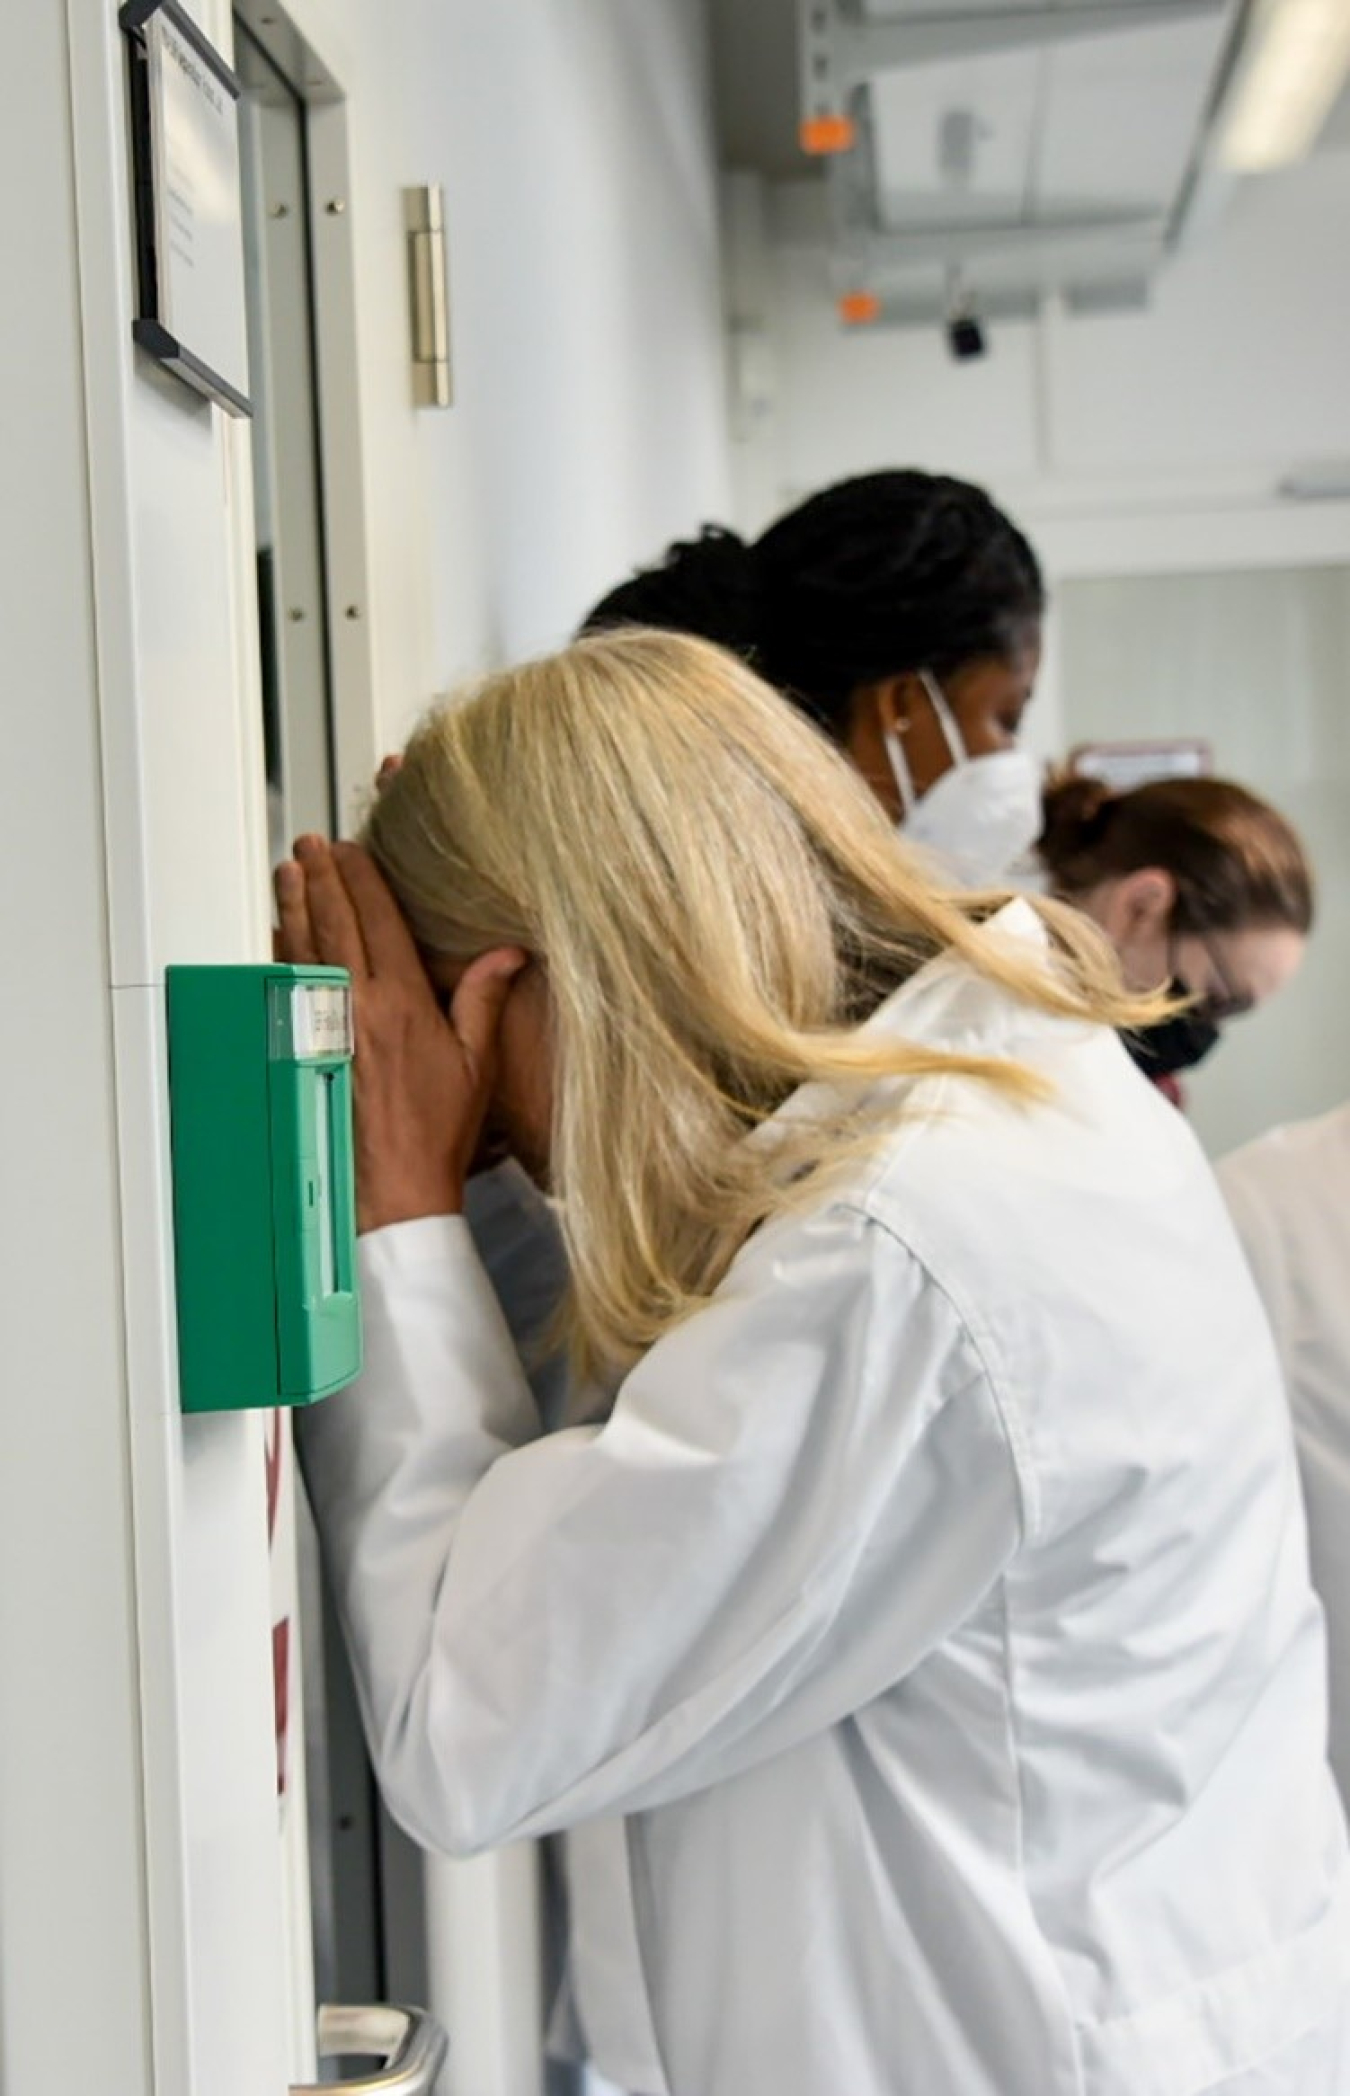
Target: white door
pixel 153 1926
pixel 141 1780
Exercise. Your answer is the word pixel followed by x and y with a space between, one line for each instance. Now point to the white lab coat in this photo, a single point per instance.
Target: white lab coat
pixel 1289 1193
pixel 934 1605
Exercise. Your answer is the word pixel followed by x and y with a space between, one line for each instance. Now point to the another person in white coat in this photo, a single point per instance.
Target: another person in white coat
pixel 1289 1192
pixel 901 611
pixel 934 1599
pixel 1198 884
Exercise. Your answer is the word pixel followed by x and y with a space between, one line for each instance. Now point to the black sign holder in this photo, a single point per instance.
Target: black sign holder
pixel 151 328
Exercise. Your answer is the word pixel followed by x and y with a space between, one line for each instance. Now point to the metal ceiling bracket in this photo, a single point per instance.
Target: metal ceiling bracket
pixel 909 309
pixel 851 182
pixel 826 127
pixel 919 245
pixel 863 311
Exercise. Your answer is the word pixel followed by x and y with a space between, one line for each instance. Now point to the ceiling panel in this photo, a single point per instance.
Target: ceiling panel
pixel 1105 123
pixel 1122 113
pixel 1010 150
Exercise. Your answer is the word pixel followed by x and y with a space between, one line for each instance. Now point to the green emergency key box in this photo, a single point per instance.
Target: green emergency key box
pixel 260 1068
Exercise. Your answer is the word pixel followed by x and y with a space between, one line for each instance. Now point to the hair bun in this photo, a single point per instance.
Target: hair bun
pixel 708 585
pixel 1076 810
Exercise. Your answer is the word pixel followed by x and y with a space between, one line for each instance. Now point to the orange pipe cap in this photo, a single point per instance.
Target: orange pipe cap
pixel 827 134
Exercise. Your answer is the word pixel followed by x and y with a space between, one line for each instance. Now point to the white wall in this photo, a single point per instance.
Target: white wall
pixel 1257 662
pixel 586 284
pixel 573 140
pixel 1241 360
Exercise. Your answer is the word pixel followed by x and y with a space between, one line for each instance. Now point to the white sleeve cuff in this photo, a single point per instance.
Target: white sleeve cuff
pixel 440 1240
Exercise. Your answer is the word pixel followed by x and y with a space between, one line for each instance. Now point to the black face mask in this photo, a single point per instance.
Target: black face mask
pixel 1174 1044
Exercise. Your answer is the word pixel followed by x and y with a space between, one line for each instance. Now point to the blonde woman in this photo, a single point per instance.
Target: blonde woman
pixel 933 1602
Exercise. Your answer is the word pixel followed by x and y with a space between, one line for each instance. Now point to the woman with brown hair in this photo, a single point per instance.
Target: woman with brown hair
pixel 1201 887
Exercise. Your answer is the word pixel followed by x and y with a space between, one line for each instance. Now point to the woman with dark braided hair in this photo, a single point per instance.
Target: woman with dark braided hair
pixel 902 612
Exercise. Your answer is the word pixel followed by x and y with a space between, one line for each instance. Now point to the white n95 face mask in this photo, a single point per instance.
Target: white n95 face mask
pixel 982 815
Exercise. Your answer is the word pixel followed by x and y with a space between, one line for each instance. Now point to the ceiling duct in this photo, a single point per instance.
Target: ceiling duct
pixel 1023 149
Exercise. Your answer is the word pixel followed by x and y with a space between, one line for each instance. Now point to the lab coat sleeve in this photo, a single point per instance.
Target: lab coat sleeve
pixel 799 1493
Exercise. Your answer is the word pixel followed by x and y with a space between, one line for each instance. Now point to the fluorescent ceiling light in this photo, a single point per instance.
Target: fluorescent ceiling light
pixel 1296 57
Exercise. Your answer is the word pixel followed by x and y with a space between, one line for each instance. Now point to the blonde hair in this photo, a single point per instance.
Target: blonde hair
pixel 718 901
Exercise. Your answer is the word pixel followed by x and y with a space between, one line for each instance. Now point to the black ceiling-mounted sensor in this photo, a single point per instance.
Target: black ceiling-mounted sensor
pixel 964 330
pixel 965 337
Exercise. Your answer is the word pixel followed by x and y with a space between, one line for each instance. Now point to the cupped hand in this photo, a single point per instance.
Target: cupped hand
pixel 422 1078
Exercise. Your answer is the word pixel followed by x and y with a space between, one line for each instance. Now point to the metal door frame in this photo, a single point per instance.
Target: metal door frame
pixel 298 52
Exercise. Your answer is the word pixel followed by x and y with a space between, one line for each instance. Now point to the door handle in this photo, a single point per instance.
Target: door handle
pixel 411 2044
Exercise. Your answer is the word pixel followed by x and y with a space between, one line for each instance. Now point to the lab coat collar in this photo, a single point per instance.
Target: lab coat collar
pixel 945 1003
pixel 926 1001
